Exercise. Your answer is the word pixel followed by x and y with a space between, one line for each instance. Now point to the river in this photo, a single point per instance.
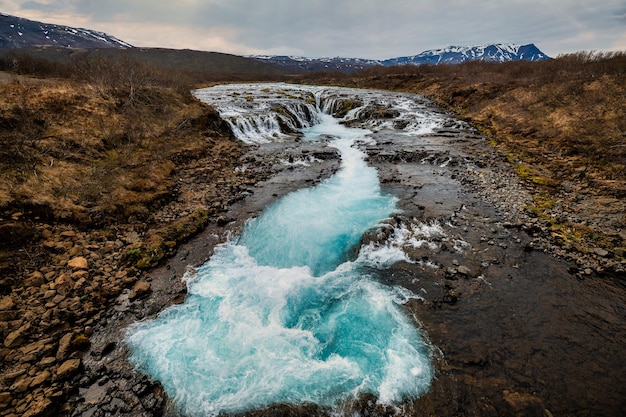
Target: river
pixel 290 312
pixel 410 280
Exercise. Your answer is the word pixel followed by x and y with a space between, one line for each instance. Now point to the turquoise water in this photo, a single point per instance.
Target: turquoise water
pixel 284 314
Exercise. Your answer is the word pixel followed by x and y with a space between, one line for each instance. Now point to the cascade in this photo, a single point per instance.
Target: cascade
pixel 284 313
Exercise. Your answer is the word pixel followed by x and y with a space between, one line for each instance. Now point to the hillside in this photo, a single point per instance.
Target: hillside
pixel 200 65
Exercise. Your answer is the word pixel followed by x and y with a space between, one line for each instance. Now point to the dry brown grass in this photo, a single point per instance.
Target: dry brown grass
pixel 73 152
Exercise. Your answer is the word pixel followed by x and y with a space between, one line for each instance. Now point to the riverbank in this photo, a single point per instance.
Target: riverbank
pixel 69 294
pixel 508 320
pixel 95 190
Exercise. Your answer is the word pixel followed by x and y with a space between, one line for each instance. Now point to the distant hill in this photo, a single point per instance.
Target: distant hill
pixel 450 55
pixel 16 32
pixel 61 43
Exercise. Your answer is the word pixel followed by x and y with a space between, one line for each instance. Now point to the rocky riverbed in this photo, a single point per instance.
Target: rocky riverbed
pixel 518 325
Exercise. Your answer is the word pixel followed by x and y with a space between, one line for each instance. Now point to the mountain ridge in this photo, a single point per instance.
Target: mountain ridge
pixel 18 32
pixel 499 52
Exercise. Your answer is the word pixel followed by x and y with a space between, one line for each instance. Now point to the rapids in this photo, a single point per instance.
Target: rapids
pixel 291 311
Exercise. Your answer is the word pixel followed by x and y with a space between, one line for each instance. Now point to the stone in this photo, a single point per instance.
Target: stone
pixel 49 294
pixel 68 368
pixel 524 404
pixel 64 346
pixel 75 251
pixel 601 252
pixel 47 361
pixel 39 348
pixel 14 374
pixel 63 284
pixel 140 289
pixel 81 274
pixel 5 399
pixel 34 279
pixel 463 270
pixel 39 406
pixel 40 378
pixel 16 337
pixel 21 385
pixel 78 263
pixel 6 303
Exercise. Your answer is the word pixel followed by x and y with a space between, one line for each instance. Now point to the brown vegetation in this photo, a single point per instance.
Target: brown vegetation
pixel 561 123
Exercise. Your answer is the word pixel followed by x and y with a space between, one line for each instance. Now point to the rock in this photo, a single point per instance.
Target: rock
pixel 40 378
pixel 601 252
pixel 34 279
pixel 64 347
pixel 5 399
pixel 524 404
pixel 68 368
pixel 12 375
pixel 39 406
pixel 6 303
pixel 140 289
pixel 63 284
pixel 16 337
pixel 38 348
pixel 78 263
pixel 47 361
pixel 463 270
pixel 21 385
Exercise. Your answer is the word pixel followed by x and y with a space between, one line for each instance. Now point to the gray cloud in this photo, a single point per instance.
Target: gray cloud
pixel 357 28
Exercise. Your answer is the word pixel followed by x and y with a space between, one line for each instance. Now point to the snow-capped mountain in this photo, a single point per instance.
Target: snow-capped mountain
pixel 456 54
pixel 304 64
pixel 16 32
pixel 450 55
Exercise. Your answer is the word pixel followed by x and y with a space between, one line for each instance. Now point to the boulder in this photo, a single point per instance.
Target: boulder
pixel 78 263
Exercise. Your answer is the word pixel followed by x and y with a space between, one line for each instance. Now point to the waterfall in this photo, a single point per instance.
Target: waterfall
pixel 289 312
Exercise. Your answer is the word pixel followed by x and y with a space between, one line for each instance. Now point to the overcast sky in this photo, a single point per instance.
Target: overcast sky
pixel 375 29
